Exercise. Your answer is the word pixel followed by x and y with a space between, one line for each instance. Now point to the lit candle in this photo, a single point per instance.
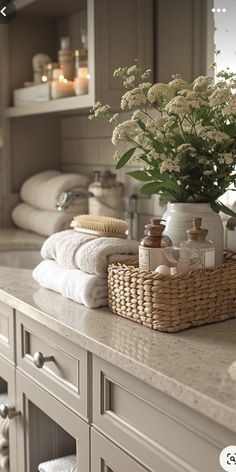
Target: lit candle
pixel 82 81
pixel 62 88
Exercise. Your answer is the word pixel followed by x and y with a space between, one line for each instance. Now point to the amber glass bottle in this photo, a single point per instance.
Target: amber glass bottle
pixel 151 247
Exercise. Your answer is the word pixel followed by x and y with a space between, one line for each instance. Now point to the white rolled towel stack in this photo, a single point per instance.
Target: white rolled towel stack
pixel 63 464
pixel 75 265
pixel 39 195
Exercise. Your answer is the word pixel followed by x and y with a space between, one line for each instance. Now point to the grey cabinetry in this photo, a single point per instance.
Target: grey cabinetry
pixel 106 457
pixel 157 430
pixel 46 429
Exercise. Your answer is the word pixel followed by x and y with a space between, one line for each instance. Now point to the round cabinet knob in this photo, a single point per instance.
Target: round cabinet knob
pixel 40 360
pixel 8 412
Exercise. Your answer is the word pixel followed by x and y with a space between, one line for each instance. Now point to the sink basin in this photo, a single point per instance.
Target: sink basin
pixel 20 259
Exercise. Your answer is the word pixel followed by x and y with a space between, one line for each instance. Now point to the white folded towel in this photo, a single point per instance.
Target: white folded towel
pixel 4 439
pixel 89 290
pixel 64 464
pixel 40 221
pixel 73 250
pixel 42 190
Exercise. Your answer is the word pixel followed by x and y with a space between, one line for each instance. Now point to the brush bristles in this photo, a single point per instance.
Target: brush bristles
pixel 100 223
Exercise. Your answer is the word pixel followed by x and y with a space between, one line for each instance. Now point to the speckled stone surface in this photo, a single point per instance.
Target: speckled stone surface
pixel 13 238
pixel 191 366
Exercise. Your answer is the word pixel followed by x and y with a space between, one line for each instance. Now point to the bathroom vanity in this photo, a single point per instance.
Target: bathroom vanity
pixel 121 397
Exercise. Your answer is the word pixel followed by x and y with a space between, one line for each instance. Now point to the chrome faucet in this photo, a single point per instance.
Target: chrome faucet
pixel 66 198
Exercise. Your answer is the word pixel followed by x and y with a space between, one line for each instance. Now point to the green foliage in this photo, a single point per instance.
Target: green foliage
pixel 125 158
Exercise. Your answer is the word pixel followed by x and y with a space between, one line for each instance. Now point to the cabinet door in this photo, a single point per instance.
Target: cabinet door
pixel 7 398
pixel 47 429
pixel 106 457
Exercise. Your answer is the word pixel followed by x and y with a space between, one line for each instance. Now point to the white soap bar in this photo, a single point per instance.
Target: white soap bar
pixel 163 269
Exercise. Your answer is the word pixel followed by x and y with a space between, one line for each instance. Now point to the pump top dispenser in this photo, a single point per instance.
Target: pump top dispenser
pixel 197 247
pixel 151 249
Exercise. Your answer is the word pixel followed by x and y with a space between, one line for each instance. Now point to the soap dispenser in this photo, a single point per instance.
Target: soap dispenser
pixel 199 250
pixel 152 246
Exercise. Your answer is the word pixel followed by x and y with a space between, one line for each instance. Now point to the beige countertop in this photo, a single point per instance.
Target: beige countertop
pixel 191 366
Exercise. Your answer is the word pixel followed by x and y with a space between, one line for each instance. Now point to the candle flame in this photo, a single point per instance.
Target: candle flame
pixel 44 78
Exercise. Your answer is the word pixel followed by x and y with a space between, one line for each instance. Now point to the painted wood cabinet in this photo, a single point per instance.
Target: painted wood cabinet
pixel 63 400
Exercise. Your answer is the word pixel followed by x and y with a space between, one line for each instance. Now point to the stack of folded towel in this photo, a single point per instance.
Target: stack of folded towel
pixel 4 439
pixel 64 464
pixel 75 265
pixel 40 193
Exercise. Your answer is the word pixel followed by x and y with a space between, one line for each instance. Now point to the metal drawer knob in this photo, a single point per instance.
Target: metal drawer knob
pixel 40 360
pixel 8 412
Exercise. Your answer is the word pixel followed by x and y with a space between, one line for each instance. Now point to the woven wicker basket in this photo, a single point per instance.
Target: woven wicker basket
pixel 173 303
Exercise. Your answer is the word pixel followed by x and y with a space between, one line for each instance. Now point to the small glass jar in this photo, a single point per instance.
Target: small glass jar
pixel 199 250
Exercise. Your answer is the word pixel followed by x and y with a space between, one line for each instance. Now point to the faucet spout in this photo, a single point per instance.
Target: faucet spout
pixel 66 198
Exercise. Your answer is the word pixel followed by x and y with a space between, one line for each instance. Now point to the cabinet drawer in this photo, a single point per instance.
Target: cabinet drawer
pixel 65 375
pixel 7 341
pixel 106 457
pixel 152 426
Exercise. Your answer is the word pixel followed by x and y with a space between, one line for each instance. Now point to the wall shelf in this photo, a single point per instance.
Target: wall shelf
pixel 64 105
pixel 52 8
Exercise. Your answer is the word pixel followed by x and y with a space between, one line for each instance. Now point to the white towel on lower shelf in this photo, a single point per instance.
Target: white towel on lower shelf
pixel 64 464
pixel 89 290
pixel 41 222
pixel 43 189
pixel 4 439
pixel 92 255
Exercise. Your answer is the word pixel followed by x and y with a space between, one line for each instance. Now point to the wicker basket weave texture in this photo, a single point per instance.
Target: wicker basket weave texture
pixel 173 303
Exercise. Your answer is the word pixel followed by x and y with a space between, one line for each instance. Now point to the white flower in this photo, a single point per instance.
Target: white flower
pixel 121 131
pixel 160 94
pixel 194 100
pixel 219 97
pixel 208 172
pixel 178 105
pixel 186 148
pixel 217 136
pixel 179 84
pixel 170 165
pixel 225 158
pixel 230 109
pixel 129 81
pixel 133 98
pixel 140 115
pixel 133 70
pixel 114 118
pixel 202 83
pixel 154 154
pixel 145 86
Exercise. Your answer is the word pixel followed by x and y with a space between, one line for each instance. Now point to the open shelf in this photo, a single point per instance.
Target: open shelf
pixel 50 8
pixel 64 105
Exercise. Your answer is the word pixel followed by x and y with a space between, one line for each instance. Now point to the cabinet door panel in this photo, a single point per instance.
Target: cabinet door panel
pixel 106 457
pixel 7 387
pixel 7 341
pixel 47 429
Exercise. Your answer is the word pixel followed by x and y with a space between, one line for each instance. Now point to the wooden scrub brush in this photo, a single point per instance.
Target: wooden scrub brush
pixel 100 226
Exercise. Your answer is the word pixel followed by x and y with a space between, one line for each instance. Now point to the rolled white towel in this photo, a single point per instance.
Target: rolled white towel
pixel 89 290
pixel 40 221
pixel 73 250
pixel 42 190
pixel 64 464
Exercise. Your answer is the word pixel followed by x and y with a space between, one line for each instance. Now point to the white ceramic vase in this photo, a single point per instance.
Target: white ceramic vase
pixel 179 217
